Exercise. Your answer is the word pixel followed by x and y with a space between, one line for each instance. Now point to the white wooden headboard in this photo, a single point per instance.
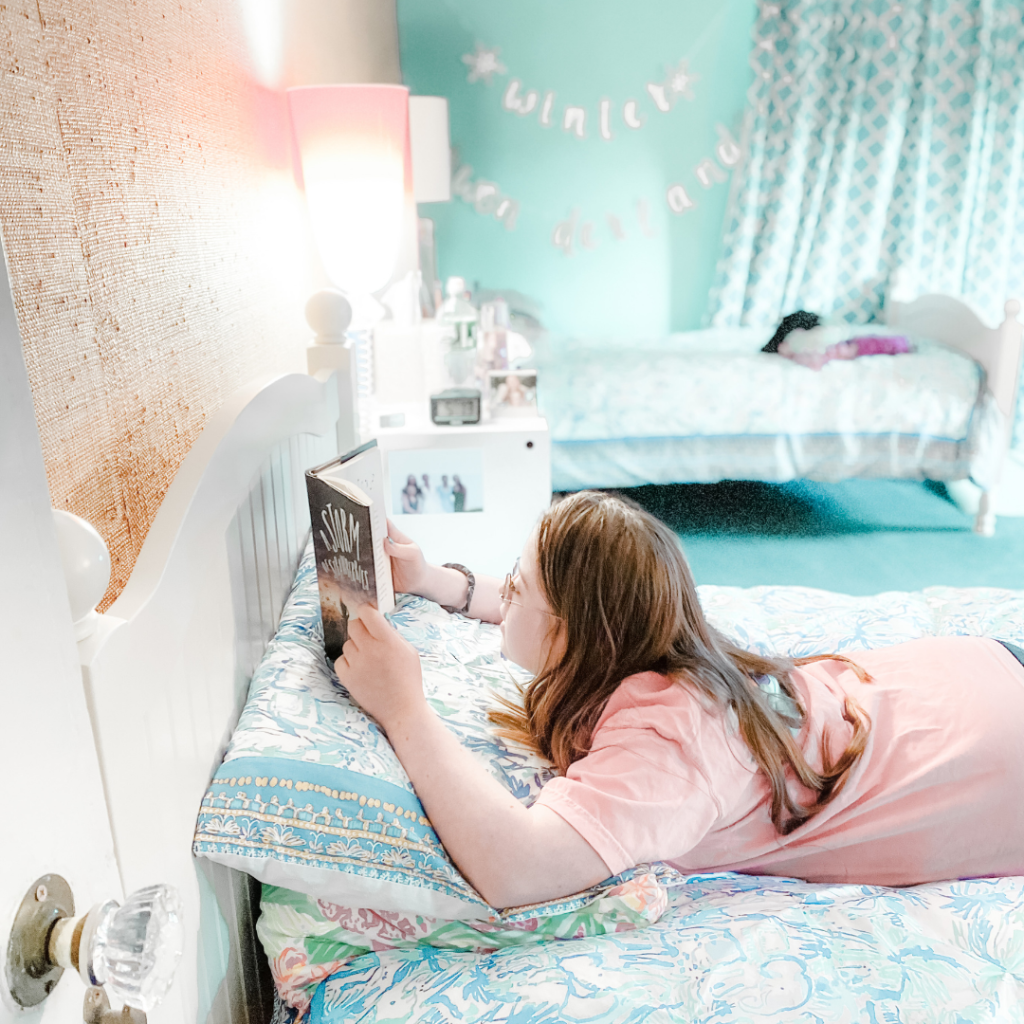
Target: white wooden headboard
pixel 167 671
pixel 949 320
pixel 998 349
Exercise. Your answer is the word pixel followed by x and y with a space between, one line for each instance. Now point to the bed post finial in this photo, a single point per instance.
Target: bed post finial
pixel 1012 308
pixel 329 313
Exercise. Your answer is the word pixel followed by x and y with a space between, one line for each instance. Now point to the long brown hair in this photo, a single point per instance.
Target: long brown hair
pixel 618 582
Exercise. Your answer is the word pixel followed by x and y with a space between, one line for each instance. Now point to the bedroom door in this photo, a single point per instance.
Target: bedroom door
pixel 54 812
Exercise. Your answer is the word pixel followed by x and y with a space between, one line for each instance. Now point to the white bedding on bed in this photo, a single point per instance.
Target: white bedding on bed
pixel 694 385
pixel 708 405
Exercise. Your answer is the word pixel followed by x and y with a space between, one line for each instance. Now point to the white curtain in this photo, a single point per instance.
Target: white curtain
pixel 880 136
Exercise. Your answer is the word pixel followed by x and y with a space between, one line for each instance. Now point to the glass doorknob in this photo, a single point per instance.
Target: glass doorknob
pixel 131 950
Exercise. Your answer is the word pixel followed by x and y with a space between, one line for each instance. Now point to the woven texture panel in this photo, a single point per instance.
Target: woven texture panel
pixel 159 250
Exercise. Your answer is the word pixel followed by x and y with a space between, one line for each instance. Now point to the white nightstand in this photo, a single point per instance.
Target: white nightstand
pixel 504 462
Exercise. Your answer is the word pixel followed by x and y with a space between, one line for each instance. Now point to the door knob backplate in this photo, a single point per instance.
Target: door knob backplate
pixel 30 974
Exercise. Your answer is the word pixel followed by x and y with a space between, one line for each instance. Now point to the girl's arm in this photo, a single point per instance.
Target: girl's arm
pixel 414 575
pixel 512 855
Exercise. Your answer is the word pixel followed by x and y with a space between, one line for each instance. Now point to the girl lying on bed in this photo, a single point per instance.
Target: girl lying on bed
pixel 674 744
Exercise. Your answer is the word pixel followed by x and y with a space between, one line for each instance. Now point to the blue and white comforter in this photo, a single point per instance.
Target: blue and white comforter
pixel 731 949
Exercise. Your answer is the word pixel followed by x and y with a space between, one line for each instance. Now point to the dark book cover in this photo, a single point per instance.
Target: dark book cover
pixel 342 542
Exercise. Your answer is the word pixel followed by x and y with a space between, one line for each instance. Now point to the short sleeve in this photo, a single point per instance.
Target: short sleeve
pixel 635 798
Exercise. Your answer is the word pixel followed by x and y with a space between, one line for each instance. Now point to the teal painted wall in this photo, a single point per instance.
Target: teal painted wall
pixel 625 263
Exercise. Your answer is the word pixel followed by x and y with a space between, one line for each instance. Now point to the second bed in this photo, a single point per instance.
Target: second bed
pixel 705 406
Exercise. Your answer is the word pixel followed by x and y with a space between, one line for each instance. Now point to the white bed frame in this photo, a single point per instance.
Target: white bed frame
pixel 997 349
pixel 167 671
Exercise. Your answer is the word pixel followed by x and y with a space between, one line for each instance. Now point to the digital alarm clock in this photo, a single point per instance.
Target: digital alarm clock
pixel 454 407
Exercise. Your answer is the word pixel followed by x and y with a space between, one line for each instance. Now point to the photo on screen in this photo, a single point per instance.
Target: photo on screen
pixel 436 481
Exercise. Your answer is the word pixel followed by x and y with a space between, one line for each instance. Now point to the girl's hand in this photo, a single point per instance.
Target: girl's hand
pixel 412 574
pixel 380 669
pixel 409 569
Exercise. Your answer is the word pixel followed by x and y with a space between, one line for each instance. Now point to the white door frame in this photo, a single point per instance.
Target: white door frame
pixel 55 815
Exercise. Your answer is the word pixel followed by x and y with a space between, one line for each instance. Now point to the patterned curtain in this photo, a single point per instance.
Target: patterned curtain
pixel 880 135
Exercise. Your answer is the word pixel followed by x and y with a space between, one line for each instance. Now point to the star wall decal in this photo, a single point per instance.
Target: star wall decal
pixel 680 79
pixel 483 63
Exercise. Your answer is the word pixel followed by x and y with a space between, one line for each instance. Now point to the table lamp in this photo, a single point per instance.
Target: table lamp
pixel 353 144
pixel 353 148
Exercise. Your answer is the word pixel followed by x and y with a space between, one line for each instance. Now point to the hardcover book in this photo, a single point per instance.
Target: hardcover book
pixel 346 509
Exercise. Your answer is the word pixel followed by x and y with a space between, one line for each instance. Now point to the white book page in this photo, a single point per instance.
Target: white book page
pixel 366 472
pixel 347 487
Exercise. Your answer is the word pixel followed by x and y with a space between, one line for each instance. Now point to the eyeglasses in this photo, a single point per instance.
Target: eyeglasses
pixel 508 588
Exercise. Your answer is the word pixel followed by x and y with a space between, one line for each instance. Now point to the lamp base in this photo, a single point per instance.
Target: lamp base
pixel 366 313
pixel 362 361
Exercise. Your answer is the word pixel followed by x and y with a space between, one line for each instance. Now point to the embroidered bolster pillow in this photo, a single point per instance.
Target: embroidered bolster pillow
pixel 310 795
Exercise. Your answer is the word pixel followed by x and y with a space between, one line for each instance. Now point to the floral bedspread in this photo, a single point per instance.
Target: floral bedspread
pixel 731 949
pixel 308 939
pixel 724 948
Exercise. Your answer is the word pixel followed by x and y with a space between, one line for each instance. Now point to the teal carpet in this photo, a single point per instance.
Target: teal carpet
pixel 857 537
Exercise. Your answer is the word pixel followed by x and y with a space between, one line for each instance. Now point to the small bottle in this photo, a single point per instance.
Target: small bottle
pixel 493 341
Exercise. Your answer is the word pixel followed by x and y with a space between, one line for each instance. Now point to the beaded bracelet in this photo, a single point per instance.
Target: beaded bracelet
pixel 472 586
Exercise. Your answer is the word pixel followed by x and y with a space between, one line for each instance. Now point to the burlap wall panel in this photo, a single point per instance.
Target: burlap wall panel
pixel 158 248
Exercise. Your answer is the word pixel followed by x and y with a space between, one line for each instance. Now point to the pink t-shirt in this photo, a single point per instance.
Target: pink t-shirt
pixel 938 793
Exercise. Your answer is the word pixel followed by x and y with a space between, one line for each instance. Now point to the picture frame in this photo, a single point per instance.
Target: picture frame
pixel 512 393
pixel 436 481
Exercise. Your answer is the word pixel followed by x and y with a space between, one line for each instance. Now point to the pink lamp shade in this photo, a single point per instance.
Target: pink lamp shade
pixel 353 141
